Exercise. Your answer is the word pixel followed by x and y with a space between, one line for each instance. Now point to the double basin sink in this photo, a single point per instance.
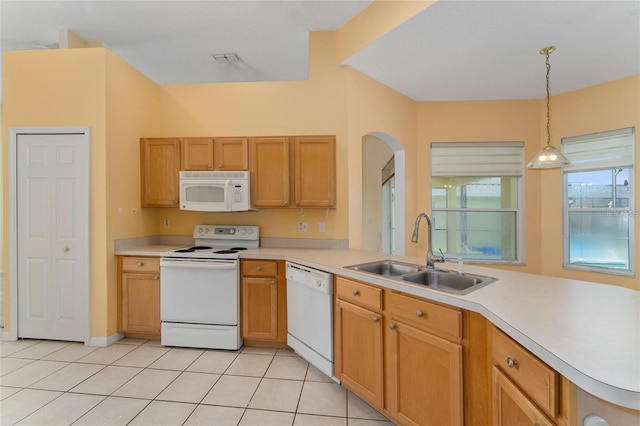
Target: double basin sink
pixel 437 279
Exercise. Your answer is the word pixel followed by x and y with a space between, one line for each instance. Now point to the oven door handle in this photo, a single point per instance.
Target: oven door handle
pixel 202 264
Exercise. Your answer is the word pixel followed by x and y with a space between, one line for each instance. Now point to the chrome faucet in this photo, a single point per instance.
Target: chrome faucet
pixel 414 239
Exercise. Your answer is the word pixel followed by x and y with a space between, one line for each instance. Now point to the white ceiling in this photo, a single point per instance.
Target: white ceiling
pixel 454 50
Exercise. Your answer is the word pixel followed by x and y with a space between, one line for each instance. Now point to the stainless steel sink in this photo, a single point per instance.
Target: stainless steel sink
pixel 448 281
pixel 387 268
pixel 437 279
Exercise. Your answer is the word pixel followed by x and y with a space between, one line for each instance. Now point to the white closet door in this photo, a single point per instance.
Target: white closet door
pixel 53 235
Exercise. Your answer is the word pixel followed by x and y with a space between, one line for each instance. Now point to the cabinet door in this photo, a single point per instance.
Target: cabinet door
pixel 269 164
pixel 314 171
pixel 141 303
pixel 197 154
pixel 259 308
pixel 231 154
pixel 160 167
pixel 358 350
pixel 511 407
pixel 424 377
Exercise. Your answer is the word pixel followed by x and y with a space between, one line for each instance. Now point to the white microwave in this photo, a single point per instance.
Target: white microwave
pixel 215 191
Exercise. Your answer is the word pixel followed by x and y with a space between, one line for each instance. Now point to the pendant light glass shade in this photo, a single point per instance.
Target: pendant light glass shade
pixel 549 156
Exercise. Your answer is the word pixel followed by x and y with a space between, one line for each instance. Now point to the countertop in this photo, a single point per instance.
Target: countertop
pixel 588 332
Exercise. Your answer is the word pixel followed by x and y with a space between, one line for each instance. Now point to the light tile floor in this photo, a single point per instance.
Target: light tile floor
pixel 140 382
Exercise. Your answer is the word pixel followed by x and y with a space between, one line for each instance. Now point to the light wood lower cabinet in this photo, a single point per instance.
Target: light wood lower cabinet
pixel 525 390
pixel 511 407
pixel 402 354
pixel 424 371
pixel 359 350
pixel 140 296
pixel 263 302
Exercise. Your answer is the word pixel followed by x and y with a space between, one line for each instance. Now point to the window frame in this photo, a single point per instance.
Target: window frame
pixel 631 209
pixel 519 210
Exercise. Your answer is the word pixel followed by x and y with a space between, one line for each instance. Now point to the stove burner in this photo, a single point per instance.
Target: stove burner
pixel 225 251
pixel 238 248
pixel 192 249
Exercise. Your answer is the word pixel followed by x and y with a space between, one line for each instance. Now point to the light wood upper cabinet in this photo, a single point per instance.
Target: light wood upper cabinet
pixel 215 154
pixel 160 167
pixel 231 153
pixel 297 171
pixel 314 159
pixel 269 165
pixel 197 154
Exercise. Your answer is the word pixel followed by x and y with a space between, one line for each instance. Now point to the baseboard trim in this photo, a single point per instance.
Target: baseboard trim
pixel 105 341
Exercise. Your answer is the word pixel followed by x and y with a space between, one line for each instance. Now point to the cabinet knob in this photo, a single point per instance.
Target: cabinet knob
pixel 66 249
pixel 157 277
pixel 272 282
pixel 219 166
pixel 512 363
pixel 356 292
pixel 140 263
pixel 376 319
pixel 210 166
pixel 392 326
pixel 419 314
pixel 258 268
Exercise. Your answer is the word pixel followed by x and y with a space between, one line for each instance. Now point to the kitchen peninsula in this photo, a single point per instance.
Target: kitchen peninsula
pixel 587 332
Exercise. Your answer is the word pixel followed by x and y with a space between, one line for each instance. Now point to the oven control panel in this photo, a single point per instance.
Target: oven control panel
pixel 227 232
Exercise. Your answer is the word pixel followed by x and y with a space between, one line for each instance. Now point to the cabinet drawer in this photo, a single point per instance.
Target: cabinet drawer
pixel 425 315
pixel 359 293
pixel 260 268
pixel 534 377
pixel 141 264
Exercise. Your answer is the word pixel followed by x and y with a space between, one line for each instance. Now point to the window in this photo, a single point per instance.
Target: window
pixel 598 207
pixel 477 200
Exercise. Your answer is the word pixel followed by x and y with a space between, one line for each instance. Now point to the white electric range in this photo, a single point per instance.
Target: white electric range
pixel 200 288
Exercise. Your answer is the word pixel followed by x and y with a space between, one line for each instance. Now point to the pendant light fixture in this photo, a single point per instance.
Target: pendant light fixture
pixel 549 156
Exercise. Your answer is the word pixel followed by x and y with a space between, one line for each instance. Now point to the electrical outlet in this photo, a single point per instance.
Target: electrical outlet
pixel 167 223
pixel 303 226
pixel 321 227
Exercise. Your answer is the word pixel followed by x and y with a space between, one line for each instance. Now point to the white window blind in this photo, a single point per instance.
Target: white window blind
pixel 477 158
pixel 603 150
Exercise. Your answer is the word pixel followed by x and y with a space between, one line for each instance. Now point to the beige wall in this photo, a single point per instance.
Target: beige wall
pixel 607 106
pixel 313 107
pixel 485 121
pixel 133 108
pixel 375 108
pixel 47 88
pixel 603 107
pixel 92 87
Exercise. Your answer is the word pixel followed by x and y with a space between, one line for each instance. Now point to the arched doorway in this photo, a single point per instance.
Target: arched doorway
pixel 383 189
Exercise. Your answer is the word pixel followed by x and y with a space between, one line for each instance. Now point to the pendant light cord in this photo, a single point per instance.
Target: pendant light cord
pixel 548 102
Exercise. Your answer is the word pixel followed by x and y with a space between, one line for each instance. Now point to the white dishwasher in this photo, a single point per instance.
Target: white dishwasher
pixel 310 316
